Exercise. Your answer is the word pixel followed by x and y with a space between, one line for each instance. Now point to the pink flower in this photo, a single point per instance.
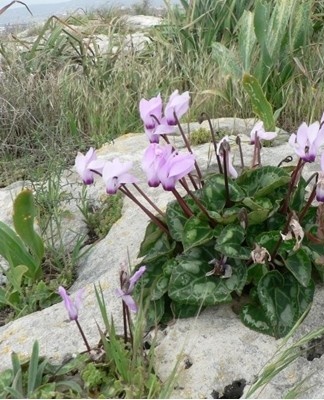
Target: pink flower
pixel 173 167
pixel 220 152
pixel 82 165
pixel 71 306
pixel 162 129
pixel 128 285
pixel 307 141
pixel 178 104
pixel 151 112
pixel 258 130
pixel 115 173
pixel 153 158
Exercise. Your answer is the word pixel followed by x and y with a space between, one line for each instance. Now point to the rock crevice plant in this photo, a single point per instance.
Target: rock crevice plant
pixel 255 234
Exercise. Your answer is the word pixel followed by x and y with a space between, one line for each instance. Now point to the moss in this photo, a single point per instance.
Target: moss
pixel 101 219
pixel 200 136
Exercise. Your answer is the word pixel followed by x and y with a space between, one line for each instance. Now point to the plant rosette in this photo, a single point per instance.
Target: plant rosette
pixel 257 237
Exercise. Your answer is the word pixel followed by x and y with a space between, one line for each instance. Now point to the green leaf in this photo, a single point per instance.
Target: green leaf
pixel 15 276
pixel 255 272
pixel 190 285
pixel 161 247
pixel 253 316
pixel 227 216
pixel 180 310
pixel 176 220
pixel 262 181
pixel 214 194
pixel 152 234
pixel 23 218
pixel 33 368
pixel 155 312
pixel 299 264
pixel 260 104
pixel 283 300
pixel 229 242
pixel 196 232
pixel 15 252
pixel 297 201
pixel 246 39
pixel 227 60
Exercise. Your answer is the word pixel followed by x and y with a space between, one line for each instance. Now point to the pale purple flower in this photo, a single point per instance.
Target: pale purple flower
pixel 174 167
pixel 151 112
pixel 160 129
pixel 115 173
pixel 220 152
pixel 307 141
pixel 320 182
pixel 71 306
pixel 153 159
pixel 82 165
pixel 178 104
pixel 128 285
pixel 259 131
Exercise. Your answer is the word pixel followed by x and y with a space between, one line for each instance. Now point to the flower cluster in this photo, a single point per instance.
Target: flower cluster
pixel 155 123
pixel 249 224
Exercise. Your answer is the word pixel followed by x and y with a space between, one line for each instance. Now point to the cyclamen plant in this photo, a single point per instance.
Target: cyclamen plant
pixel 253 236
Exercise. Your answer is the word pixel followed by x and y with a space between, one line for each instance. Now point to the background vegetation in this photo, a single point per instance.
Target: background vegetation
pixel 60 92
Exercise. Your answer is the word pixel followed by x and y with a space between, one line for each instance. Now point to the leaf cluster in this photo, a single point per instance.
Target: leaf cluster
pixel 186 269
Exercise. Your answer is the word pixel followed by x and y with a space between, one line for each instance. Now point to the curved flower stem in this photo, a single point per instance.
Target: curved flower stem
pixel 198 202
pixel 156 208
pixel 166 139
pixel 184 137
pixel 225 163
pixel 125 322
pixel 293 181
pixel 212 132
pixel 185 208
pixel 238 142
pixel 83 336
pixel 284 231
pixel 153 218
pixel 256 153
pixel 311 197
pixel 129 322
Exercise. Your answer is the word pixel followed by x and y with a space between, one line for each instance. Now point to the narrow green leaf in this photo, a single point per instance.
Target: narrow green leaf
pixel 33 369
pixel 14 251
pixel 246 39
pixel 23 218
pixel 227 60
pixel 260 104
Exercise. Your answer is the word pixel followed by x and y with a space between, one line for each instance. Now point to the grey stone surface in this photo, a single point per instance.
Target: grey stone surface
pixel 216 343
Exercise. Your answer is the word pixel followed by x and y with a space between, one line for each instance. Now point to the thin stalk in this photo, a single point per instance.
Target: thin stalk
pixel 125 322
pixel 129 322
pixel 184 137
pixel 238 142
pixel 83 336
pixel 212 132
pixel 153 218
pixel 198 202
pixel 292 184
pixel 284 231
pixel 225 163
pixel 156 208
pixel 310 199
pixel 256 153
pixel 185 208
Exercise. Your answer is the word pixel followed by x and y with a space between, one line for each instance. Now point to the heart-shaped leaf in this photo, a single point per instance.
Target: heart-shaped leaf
pixel 196 232
pixel 299 264
pixel 262 181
